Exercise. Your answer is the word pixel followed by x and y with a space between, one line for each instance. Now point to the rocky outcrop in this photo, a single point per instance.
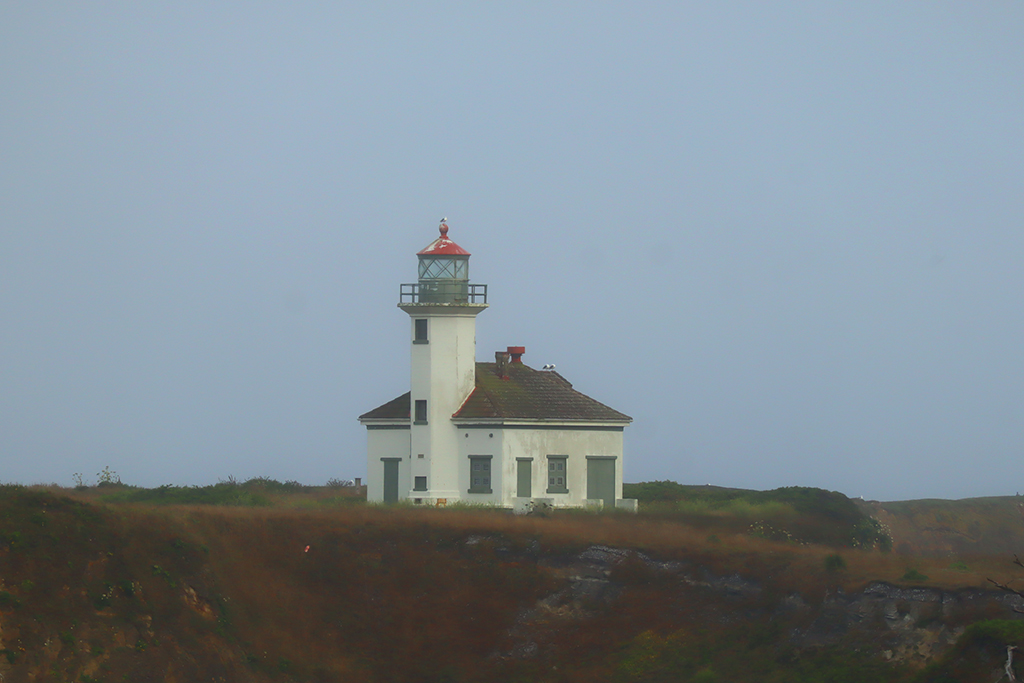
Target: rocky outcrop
pixel 917 623
pixel 908 624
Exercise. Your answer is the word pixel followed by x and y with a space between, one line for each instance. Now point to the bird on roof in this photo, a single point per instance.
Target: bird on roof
pixel 444 220
pixel 549 366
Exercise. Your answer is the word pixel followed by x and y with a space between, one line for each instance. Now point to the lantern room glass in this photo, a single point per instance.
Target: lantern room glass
pixel 435 268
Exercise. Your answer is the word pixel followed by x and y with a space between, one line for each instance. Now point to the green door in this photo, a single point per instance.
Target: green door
pixel 601 480
pixel 524 478
pixel 391 480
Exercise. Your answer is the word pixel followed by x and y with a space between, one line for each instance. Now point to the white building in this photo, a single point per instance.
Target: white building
pixel 496 433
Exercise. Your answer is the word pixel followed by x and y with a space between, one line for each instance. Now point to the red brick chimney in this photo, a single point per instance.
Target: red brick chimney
pixel 517 353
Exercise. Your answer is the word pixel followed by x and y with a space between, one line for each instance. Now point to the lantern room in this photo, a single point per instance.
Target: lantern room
pixel 443 275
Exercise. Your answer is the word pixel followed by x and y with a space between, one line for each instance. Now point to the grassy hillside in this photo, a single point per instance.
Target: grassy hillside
pixel 954 527
pixel 797 513
pixel 260 581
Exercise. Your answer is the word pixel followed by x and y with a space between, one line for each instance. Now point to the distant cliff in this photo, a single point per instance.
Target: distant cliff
pixel 975 526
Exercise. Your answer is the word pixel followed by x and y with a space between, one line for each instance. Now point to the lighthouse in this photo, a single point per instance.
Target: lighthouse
pixel 501 433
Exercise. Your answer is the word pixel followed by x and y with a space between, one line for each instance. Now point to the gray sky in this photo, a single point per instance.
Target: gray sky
pixel 785 237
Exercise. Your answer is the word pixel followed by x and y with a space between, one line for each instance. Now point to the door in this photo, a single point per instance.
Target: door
pixel 601 480
pixel 524 478
pixel 391 480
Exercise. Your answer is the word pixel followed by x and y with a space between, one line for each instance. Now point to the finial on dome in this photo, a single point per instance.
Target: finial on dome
pixel 443 245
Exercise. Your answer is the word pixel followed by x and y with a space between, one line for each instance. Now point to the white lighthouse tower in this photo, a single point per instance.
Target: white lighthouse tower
pixel 442 308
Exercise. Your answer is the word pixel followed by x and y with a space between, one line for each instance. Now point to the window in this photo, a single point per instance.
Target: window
pixel 444 268
pixel 558 473
pixel 420 484
pixel 420 418
pixel 480 474
pixel 420 336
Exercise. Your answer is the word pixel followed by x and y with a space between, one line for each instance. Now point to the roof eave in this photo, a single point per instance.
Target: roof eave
pixel 541 421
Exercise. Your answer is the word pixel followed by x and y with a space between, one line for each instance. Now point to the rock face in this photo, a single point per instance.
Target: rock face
pixel 916 624
pixel 911 625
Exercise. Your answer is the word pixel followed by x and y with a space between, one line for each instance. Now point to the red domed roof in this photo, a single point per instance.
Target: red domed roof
pixel 443 246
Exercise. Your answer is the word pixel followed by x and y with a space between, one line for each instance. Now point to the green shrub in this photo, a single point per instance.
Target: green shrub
pixel 913 575
pixel 652 491
pixel 834 563
pixel 251 493
pixel 164 574
pixel 798 514
pixel 998 631
pixel 652 656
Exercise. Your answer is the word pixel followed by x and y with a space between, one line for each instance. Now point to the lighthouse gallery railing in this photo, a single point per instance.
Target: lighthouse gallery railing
pixel 442 292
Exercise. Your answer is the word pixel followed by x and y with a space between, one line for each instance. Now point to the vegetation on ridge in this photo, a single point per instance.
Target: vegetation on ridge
pixel 257 491
pixel 95 586
pixel 797 514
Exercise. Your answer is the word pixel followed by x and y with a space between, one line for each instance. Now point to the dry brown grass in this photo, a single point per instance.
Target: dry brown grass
pixel 440 586
pixel 570 532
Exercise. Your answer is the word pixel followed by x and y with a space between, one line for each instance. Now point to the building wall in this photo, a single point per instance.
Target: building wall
pixel 442 373
pixel 386 443
pixel 509 444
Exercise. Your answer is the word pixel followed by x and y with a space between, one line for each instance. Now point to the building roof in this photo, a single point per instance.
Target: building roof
pixel 443 246
pixel 526 394
pixel 395 409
